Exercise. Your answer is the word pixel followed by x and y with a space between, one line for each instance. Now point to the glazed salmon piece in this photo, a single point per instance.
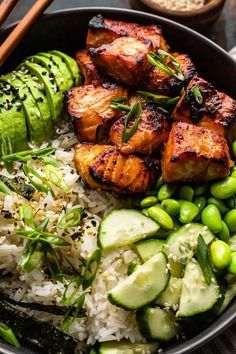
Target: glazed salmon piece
pixel 105 167
pixel 162 83
pixel 103 31
pixel 152 132
pixel 89 109
pixel 89 72
pixel 125 60
pixel 217 111
pixel 195 154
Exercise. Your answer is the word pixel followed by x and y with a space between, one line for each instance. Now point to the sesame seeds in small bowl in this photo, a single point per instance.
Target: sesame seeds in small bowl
pixel 197 14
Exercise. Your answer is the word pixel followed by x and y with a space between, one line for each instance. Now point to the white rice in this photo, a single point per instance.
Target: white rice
pixel 104 321
pixel 178 5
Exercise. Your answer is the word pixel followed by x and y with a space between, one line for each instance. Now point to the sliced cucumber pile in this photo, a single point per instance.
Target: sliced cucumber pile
pixel 170 297
pixel 124 227
pixel 147 248
pixel 143 286
pixel 125 347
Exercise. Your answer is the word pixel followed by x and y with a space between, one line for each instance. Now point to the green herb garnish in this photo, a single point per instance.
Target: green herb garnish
pixel 75 283
pixel 4 189
pixel 6 149
pixel 55 177
pixel 30 257
pixel 7 334
pixel 70 218
pixel 136 111
pixel 72 311
pixel 203 257
pixel 197 95
pixel 91 268
pixel 117 104
pixel 35 178
pixel 42 236
pixel 29 154
pixel 26 214
pixel 162 100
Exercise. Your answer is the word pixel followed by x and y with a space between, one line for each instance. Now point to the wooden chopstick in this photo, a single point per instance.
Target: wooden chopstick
pixel 20 30
pixel 5 8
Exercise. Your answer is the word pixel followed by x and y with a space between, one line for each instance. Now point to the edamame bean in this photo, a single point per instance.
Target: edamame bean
pixel 145 211
pixel 148 201
pixel 188 211
pixel 159 182
pixel 219 204
pixel 211 218
pixel 224 188
pixel 161 217
pixel 232 266
pixel 200 190
pixel 220 254
pixel 166 191
pixel 171 206
pixel 224 234
pixel 230 220
pixel 233 148
pixel 233 171
pixel 200 202
pixel 187 193
pixel 231 202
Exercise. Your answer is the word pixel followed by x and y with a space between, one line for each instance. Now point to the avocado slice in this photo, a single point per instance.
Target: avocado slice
pixel 59 69
pixel 72 66
pixel 41 99
pixel 35 125
pixel 12 118
pixel 48 84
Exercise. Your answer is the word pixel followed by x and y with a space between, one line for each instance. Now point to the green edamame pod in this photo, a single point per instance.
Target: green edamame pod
pixel 231 202
pixel 148 201
pixel 187 193
pixel 161 217
pixel 159 182
pixel 200 202
pixel 224 234
pixel 211 218
pixel 219 204
pixel 188 212
pixel 224 189
pixel 230 220
pixel 200 190
pixel 166 191
pixel 171 206
pixel 233 148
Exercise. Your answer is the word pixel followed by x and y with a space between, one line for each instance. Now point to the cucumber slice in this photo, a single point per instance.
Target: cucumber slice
pixel 46 83
pixel 147 248
pixel 143 286
pixel 197 296
pixel 72 66
pixel 181 245
pixel 230 292
pixel 232 243
pixel 157 323
pixel 170 297
pixel 176 269
pixel 125 347
pixel 124 227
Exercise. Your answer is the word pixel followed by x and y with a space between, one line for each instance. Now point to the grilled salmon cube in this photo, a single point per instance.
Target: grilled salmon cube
pixel 125 60
pixel 162 83
pixel 217 110
pixel 152 132
pixel 195 154
pixel 89 72
pixel 103 31
pixel 89 109
pixel 105 167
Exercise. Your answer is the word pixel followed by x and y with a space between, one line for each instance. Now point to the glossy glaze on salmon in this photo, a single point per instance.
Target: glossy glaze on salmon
pixel 195 154
pixel 89 109
pixel 162 83
pixel 217 111
pixel 104 166
pixel 103 31
pixel 152 132
pixel 88 70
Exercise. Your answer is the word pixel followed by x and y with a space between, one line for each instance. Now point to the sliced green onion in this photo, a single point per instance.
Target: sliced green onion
pixel 44 186
pixel 6 149
pixel 26 214
pixel 160 99
pixel 4 189
pixel 55 177
pixel 136 111
pixel 73 311
pixel 30 257
pixel 43 225
pixel 197 95
pixel 7 334
pixel 51 261
pixel 119 106
pixel 119 99
pixel 75 282
pixel 29 154
pixel 48 160
pixel 204 260
pixel 70 218
pixel 44 237
pixel 91 268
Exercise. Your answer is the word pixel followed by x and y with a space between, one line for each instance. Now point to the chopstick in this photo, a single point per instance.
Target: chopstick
pixel 20 30
pixel 5 8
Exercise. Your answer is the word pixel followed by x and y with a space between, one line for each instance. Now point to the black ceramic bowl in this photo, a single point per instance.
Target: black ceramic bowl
pixel 66 30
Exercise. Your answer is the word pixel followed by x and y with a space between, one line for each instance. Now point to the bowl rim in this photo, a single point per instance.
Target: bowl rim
pixel 213 330
pixel 204 10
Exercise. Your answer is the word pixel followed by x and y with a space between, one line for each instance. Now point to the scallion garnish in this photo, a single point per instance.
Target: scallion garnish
pixel 197 95
pixel 48 160
pixel 33 176
pixel 70 218
pixel 6 149
pixel 136 111
pixel 26 214
pixel 73 287
pixel 116 103
pixel 29 154
pixel 162 100
pixel 203 257
pixel 91 268
pixel 42 236
pixel 30 257
pixel 4 189
pixel 55 177
pixel 51 261
pixel 158 60
pixel 7 334
pixel 72 311
pixel 42 225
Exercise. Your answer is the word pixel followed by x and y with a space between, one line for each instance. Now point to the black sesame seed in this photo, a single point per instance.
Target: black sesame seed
pixel 39 99
pixel 93 222
pixel 44 73
pixel 18 108
pixel 51 75
pixel 23 98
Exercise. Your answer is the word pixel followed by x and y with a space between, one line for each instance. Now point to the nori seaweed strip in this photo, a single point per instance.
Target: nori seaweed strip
pixel 56 310
pixel 36 334
pixel 19 186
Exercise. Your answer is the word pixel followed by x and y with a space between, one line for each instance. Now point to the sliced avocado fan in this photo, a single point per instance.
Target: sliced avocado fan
pixel 72 66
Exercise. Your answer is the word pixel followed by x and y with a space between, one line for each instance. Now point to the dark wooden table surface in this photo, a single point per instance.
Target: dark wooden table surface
pixel 223 32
